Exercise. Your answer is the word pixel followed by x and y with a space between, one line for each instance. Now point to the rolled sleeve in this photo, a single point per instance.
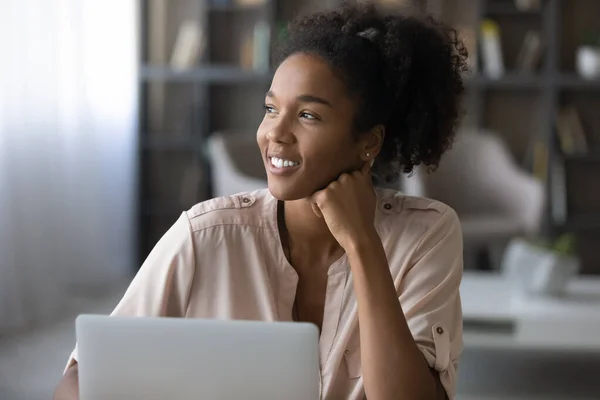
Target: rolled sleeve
pixel 162 285
pixel 430 299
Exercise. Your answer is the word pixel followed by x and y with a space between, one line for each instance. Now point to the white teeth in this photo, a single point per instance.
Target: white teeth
pixel 280 163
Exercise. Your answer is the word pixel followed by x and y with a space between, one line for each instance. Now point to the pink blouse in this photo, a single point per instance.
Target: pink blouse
pixel 223 259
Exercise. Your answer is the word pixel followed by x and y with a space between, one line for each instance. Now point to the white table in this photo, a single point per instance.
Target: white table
pixel 498 316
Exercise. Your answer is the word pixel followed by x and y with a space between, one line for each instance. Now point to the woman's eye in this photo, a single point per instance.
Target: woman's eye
pixel 308 116
pixel 269 109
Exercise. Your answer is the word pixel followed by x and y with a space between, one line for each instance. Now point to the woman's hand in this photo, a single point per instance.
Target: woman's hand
pixel 348 207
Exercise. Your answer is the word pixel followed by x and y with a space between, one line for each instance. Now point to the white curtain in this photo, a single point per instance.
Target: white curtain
pixel 68 113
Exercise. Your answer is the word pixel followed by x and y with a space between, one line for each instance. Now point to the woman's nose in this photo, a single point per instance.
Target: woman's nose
pixel 280 132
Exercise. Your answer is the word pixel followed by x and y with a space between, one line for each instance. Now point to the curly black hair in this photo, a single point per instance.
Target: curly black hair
pixel 404 72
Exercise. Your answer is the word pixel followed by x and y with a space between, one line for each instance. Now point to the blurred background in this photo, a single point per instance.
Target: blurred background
pixel 115 116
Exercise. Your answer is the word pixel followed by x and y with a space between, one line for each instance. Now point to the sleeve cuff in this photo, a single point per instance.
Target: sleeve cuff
pixel 438 357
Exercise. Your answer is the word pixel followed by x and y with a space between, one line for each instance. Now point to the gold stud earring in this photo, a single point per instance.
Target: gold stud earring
pixel 368 154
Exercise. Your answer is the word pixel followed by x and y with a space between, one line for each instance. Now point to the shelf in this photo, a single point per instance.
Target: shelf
pixel 574 81
pixel 527 81
pixel 209 74
pixel 592 157
pixel 233 7
pixel 584 222
pixel 166 143
pixel 493 10
pixel 509 81
pixel 153 210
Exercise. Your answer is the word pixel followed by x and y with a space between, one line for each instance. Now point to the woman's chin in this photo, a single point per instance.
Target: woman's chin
pixel 288 193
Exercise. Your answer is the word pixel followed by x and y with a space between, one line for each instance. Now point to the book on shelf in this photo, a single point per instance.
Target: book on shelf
pixel 540 159
pixel 255 48
pixel 527 5
pixel 250 3
pixel 262 46
pixel 189 45
pixel 558 192
pixel 491 49
pixel 247 52
pixel 537 156
pixel 570 131
pixel 530 52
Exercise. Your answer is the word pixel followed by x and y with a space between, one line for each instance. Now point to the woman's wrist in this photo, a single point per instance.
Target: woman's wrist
pixel 366 242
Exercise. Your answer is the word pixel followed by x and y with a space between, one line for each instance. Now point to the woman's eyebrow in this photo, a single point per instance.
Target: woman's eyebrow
pixel 305 98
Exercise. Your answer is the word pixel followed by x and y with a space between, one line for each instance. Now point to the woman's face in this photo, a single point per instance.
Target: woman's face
pixel 306 134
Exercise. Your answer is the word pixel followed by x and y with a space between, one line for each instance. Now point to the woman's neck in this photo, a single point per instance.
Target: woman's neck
pixel 307 231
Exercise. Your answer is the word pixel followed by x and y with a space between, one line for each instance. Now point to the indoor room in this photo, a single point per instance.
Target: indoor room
pixel 117 118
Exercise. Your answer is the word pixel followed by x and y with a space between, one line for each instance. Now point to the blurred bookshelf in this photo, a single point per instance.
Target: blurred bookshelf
pixel 543 102
pixel 573 81
pixel 204 66
pixel 202 62
pixel 219 85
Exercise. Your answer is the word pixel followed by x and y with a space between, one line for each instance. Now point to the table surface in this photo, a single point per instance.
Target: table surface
pixel 490 296
pixel 498 315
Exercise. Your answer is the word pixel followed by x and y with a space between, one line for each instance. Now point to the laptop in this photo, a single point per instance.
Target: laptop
pixel 150 358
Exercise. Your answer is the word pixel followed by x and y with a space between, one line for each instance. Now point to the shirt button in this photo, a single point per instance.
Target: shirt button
pixel 439 330
pixel 246 200
pixel 387 206
pixel 347 352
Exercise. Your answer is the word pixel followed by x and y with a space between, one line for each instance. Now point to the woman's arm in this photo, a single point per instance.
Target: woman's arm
pixel 392 365
pixel 160 288
pixel 406 331
pixel 68 387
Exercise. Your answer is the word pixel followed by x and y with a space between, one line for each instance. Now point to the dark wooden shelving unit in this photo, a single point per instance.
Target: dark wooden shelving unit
pixel 573 81
pixel 507 104
pixel 177 106
pixel 518 106
pixel 180 108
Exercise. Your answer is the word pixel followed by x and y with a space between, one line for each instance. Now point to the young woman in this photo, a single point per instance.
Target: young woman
pixel 357 96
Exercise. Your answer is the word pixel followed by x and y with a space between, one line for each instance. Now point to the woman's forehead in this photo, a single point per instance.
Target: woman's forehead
pixel 302 74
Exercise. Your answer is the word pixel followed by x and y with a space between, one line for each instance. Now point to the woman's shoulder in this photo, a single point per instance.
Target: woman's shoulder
pixel 397 201
pixel 413 226
pixel 256 208
pixel 402 210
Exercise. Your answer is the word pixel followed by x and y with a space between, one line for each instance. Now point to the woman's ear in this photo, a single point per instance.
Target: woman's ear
pixel 371 143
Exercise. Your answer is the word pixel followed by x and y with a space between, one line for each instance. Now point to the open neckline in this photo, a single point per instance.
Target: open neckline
pixel 339 265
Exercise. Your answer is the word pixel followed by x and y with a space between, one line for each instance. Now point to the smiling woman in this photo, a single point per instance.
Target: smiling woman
pixel 356 95
pixel 308 118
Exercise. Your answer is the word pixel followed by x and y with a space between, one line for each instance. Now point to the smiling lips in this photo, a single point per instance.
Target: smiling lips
pixel 282 167
pixel 283 163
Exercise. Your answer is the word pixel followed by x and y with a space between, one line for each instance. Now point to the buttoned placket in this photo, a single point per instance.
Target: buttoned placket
pixel 336 286
pixel 334 294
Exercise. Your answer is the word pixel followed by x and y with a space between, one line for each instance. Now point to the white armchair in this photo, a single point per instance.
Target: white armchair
pixel 495 199
pixel 236 163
